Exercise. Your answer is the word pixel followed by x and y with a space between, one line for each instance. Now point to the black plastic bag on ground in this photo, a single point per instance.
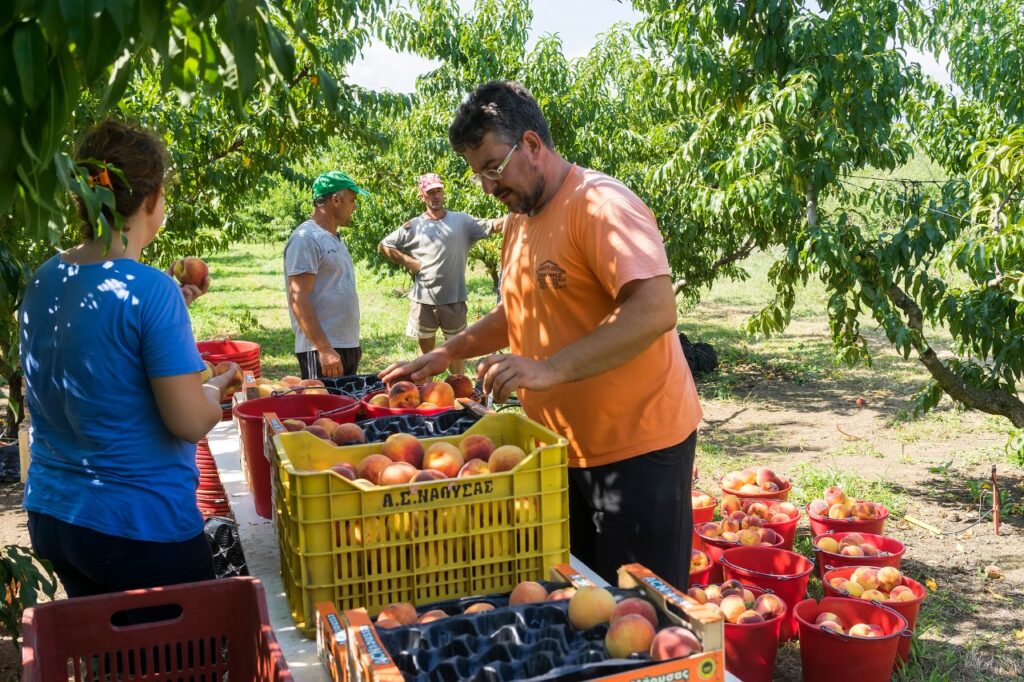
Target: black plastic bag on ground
pixel 701 357
pixel 226 547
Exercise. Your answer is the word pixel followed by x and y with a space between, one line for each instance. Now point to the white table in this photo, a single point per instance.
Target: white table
pixel 261 555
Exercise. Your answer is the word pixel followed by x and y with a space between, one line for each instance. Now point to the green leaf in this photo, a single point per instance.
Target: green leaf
pixel 29 48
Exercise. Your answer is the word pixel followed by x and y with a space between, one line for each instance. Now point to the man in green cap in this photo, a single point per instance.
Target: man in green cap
pixel 321 284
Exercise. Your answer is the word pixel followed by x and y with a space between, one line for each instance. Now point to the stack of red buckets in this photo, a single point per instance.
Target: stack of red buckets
pixel 211 498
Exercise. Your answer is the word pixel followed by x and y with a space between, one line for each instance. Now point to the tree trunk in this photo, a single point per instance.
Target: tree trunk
pixel 993 402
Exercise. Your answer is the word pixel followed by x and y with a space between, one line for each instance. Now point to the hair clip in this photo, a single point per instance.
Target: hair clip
pixel 101 177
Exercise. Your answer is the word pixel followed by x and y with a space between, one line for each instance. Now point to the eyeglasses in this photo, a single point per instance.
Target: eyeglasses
pixel 495 173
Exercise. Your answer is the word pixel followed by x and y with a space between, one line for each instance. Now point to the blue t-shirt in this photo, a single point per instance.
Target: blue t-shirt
pixel 91 337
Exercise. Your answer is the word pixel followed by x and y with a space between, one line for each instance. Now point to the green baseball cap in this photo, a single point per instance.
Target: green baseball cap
pixel 335 181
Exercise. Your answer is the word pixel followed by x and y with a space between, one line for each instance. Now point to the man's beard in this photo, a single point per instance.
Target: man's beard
pixel 526 204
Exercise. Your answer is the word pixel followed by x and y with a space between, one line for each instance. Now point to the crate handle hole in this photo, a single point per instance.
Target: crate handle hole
pixel 146 615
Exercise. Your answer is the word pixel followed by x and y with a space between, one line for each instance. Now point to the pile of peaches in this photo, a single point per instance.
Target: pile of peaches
pixel 754 482
pixel 403 459
pixel 744 522
pixel 737 604
pixel 836 505
pixel 267 387
pixel 852 544
pixel 874 584
pixel 432 395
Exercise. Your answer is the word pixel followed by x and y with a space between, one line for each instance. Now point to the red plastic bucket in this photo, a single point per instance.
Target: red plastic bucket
pixel 781 494
pixel 302 406
pixel 750 648
pixel 714 547
pixel 908 609
pixel 701 515
pixel 823 524
pixel 245 353
pixel 828 656
pixel 381 411
pixel 783 572
pixel 890 553
pixel 787 529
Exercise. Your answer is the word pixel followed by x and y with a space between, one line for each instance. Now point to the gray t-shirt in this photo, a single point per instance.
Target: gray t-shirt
pixel 313 249
pixel 441 247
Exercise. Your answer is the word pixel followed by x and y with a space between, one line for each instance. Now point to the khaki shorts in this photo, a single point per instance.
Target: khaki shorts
pixel 425 319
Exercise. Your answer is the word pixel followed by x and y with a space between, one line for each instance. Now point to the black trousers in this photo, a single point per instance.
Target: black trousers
pixel 636 510
pixel 88 562
pixel 309 362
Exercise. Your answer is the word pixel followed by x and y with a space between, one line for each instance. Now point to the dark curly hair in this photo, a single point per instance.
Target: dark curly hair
pixel 505 108
pixel 139 154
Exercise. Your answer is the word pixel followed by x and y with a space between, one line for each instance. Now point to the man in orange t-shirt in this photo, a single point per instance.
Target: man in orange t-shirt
pixel 588 310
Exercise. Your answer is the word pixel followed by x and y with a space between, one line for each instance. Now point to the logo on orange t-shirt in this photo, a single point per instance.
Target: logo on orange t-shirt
pixel 550 276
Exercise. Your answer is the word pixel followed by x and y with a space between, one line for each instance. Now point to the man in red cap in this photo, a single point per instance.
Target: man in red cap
pixel 434 247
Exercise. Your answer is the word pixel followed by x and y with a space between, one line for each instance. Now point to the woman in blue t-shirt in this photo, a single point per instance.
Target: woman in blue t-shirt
pixel 114 389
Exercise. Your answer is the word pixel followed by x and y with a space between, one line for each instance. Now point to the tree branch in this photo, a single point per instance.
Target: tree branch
pixel 739 254
pixel 993 402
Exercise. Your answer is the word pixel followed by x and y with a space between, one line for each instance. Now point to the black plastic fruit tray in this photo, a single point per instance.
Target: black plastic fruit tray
pixel 451 423
pixel 524 642
pixel 355 385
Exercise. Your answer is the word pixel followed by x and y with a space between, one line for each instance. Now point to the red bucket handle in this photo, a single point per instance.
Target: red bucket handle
pixel 774 576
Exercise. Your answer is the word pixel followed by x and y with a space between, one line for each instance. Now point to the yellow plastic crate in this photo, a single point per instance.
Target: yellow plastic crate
pixel 418 542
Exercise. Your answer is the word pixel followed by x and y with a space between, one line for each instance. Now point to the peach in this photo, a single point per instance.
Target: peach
pixel 397 473
pixel 698 595
pixel 749 537
pixel 379 400
pixel 750 489
pixel 386 623
pixel 313 386
pixel 444 457
pixel 474 467
pixel 294 424
pixel 730 526
pixel 779 517
pixel 403 447
pixel 439 393
pixel 748 597
pixel 839 511
pixel 760 510
pixel 738 516
pixel 834 495
pixel 328 425
pixel 635 606
pixel 828 616
pixel 348 434
pixel 403 394
pixel 711 529
pixel 629 634
pixel 818 508
pixel 732 607
pixel 865 577
pixel 714 610
pixel 748 617
pixel 590 606
pixel 836 582
pixel 479 607
pixel 787 508
pixel 902 593
pixel 400 612
pixel 874 595
pixel 770 606
pixel 476 446
pixel 714 593
pixel 764 475
pixel 698 560
pixel 730 536
pixel 769 487
pixel 851 588
pixel 432 615
pixel 319 431
pixel 829 545
pixel 505 458
pixel 770 536
pixel 889 578
pixel 833 626
pixel 674 642
pixel 852 539
pixel 869 549
pixel 527 592
pixel 747 476
pixel 863 511
pixel 731 482
pixel 346 470
pixel 428 475
pixel 865 630
pixel 462 385
pixel 190 270
pixel 731 586
pixel 561 593
pixel 291 380
pixel 730 504
pixel 372 466
pixel 851 550
pixel 699 500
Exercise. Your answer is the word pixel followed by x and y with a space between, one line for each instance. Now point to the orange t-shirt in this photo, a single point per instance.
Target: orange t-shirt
pixel 561 272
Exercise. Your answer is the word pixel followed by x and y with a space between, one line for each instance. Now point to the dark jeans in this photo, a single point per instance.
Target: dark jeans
pixel 309 362
pixel 88 562
pixel 636 510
